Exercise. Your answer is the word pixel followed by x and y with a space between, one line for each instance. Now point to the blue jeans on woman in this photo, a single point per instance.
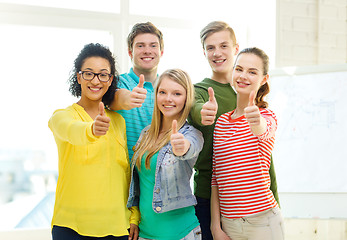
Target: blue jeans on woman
pixel 64 233
pixel 195 234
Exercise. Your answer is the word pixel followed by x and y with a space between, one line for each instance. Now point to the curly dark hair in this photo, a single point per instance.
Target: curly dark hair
pixel 94 50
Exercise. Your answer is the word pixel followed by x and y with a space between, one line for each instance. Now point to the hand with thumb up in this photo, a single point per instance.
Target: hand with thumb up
pixel 253 116
pixel 138 94
pixel 252 113
pixel 209 109
pixel 179 144
pixel 101 122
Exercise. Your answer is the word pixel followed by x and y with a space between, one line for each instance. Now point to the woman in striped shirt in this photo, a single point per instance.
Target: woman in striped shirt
pixel 243 141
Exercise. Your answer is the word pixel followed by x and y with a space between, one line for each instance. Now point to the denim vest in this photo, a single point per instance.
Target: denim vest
pixel 172 175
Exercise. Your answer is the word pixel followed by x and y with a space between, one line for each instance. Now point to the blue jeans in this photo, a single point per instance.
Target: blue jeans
pixel 203 212
pixel 195 234
pixel 64 233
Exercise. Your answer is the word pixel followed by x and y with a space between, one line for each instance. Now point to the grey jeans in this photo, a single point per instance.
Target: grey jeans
pixel 267 225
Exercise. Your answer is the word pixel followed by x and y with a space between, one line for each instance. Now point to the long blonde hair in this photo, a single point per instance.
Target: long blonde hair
pixel 148 143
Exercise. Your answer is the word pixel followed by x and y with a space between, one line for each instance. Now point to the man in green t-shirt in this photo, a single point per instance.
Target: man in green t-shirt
pixel 214 96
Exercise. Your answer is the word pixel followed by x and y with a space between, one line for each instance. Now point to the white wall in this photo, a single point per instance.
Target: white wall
pixel 26 234
pixel 310 148
pixel 311 32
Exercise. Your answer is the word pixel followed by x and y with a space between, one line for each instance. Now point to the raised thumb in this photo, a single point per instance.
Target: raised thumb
pixel 211 94
pixel 251 99
pixel 101 109
pixel 141 81
pixel 174 127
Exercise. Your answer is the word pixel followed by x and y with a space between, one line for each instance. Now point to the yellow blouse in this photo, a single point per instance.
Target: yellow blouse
pixel 94 175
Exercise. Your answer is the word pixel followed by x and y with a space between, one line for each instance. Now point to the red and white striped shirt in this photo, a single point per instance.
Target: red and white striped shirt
pixel 241 163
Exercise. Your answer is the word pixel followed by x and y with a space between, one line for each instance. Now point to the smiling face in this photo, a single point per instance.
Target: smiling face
pixel 146 53
pixel 220 50
pixel 94 90
pixel 171 99
pixel 248 73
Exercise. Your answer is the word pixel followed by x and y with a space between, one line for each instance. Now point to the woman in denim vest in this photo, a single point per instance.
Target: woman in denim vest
pixel 163 161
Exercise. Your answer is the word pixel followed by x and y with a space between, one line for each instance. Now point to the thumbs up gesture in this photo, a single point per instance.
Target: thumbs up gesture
pixel 101 122
pixel 138 94
pixel 209 109
pixel 253 116
pixel 252 112
pixel 179 144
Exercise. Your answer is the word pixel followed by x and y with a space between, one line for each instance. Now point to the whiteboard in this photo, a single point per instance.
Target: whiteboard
pixel 310 153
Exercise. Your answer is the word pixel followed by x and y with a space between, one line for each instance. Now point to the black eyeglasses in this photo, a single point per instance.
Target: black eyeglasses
pixel 88 75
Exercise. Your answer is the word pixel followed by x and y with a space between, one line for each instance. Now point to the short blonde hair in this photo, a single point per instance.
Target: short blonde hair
pixel 213 27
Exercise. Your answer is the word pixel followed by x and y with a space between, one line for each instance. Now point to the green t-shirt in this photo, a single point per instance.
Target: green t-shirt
pixel 171 225
pixel 226 99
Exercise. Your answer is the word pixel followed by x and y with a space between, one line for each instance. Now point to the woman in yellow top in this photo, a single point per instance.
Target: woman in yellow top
pixel 94 174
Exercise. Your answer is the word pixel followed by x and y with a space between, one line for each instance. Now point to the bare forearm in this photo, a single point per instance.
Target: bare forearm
pixel 215 211
pixel 121 100
pixel 216 229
